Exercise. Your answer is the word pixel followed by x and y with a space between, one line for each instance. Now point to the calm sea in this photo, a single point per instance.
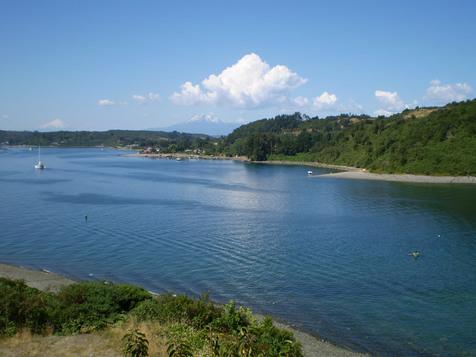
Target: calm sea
pixel 326 255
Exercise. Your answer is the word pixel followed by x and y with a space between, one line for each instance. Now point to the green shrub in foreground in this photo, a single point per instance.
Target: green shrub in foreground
pixel 233 319
pixel 92 306
pixel 76 308
pixel 168 308
pixel 24 307
pixel 191 326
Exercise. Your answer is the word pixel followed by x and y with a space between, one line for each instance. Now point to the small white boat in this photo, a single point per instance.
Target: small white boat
pixel 39 165
pixel 309 172
pixel 179 159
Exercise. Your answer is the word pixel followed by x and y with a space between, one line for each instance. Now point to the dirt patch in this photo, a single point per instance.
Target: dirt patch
pixel 88 345
pixel 419 113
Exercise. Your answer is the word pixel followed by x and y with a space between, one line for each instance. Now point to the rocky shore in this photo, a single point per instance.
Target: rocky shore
pixel 364 175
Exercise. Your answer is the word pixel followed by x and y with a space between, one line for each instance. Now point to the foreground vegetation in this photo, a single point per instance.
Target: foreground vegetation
pixel 184 326
pixel 437 141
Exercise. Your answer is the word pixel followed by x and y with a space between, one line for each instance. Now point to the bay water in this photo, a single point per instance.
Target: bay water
pixel 328 256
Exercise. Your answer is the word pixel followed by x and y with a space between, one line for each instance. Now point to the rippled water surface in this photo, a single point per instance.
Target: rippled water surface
pixel 329 256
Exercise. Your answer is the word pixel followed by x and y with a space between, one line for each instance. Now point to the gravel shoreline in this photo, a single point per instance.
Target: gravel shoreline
pixel 363 175
pixel 49 281
pixel 39 279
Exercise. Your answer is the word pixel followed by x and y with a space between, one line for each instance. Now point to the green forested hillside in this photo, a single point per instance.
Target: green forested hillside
pixel 434 141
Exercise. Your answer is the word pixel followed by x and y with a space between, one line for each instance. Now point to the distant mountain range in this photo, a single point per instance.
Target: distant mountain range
pixel 203 124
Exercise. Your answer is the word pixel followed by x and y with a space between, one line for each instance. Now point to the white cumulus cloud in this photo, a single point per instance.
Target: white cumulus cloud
pixel 325 100
pixel 390 101
pixel 444 93
pixel 105 102
pixel 53 124
pixel 190 94
pixel 147 98
pixel 248 83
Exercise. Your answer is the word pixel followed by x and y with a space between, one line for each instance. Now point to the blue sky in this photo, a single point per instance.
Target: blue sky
pixel 97 65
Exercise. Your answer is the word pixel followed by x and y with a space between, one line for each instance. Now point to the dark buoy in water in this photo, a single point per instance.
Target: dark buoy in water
pixel 415 254
pixel 86 218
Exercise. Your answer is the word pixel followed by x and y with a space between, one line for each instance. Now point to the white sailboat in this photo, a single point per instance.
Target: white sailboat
pixel 39 165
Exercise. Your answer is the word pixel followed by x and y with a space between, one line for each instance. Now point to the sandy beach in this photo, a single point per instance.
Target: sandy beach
pixel 364 175
pixel 49 281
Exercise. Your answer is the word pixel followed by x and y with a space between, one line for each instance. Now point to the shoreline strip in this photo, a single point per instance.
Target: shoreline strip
pixel 363 175
pixel 345 172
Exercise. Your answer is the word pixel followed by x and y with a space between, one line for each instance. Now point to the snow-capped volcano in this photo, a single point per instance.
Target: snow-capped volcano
pixel 203 124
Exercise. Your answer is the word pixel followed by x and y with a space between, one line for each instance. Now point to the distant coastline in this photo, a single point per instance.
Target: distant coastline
pixel 50 281
pixel 344 172
pixel 49 146
pixel 183 155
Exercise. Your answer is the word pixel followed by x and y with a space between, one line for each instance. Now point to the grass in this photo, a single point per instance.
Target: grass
pixel 25 344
